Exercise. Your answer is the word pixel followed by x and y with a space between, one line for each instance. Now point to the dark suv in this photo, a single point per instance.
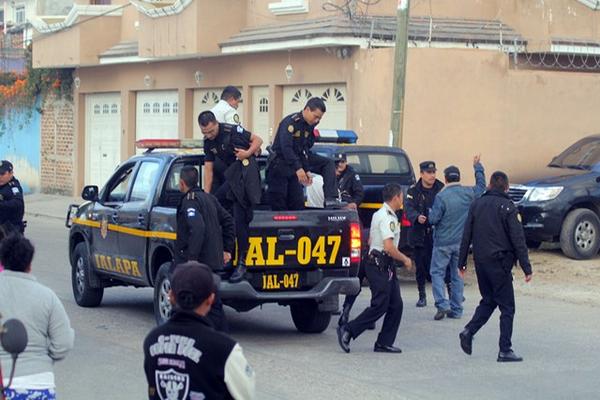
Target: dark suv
pixel 564 206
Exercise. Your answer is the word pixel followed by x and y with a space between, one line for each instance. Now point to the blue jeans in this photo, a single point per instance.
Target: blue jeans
pixel 445 257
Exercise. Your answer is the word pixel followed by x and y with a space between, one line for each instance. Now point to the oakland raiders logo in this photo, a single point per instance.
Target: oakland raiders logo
pixel 172 385
pixel 104 227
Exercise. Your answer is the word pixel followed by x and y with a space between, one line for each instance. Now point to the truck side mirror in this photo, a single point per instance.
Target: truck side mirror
pixel 90 193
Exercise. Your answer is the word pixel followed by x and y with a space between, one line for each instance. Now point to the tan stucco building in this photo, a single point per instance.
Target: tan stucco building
pixel 514 80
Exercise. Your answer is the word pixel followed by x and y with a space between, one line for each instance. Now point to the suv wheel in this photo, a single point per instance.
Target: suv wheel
pixel 308 318
pixel 162 286
pixel 85 295
pixel 580 234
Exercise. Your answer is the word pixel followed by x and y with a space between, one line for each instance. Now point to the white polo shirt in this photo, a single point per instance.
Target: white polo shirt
pixel 225 113
pixel 384 225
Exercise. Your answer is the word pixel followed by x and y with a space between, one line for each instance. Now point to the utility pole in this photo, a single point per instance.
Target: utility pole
pixel 395 138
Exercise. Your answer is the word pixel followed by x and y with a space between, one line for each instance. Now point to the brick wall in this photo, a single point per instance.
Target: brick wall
pixel 57 147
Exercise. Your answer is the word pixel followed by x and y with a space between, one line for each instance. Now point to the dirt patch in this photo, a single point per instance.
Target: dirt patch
pixel 559 277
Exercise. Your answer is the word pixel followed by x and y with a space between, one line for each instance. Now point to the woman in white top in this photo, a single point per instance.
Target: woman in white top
pixel 48 327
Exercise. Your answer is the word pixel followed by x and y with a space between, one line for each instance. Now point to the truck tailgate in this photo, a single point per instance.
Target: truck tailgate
pixel 287 249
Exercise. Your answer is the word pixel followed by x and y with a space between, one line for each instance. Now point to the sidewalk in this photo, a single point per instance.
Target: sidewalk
pixel 48 205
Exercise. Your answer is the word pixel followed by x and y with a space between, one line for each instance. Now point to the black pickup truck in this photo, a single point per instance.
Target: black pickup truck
pixel 124 235
pixel 564 205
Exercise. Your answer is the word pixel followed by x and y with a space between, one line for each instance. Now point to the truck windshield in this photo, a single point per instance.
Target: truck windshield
pixel 582 155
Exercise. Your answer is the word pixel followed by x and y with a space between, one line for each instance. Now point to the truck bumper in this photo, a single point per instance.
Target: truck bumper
pixel 329 286
pixel 541 222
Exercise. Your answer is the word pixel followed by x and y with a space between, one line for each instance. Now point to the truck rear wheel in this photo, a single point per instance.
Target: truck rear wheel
pixel 308 318
pixel 580 234
pixel 162 286
pixel 85 295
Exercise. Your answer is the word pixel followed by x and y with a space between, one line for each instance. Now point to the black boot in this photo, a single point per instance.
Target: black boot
pixel 422 299
pixel 238 273
pixel 345 316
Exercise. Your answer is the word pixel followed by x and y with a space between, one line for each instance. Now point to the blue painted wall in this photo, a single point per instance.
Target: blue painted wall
pixel 20 144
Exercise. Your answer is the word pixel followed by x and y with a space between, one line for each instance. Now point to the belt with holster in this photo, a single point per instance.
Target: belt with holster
pixel 380 259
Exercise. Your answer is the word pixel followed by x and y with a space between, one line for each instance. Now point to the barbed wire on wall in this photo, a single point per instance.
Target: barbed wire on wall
pixel 558 54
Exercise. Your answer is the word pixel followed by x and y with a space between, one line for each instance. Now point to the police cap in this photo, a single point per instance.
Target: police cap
pixel 192 283
pixel 5 166
pixel 339 157
pixel 427 166
pixel 452 172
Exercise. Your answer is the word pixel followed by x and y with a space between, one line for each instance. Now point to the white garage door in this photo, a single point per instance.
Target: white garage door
pixel 295 98
pixel 102 136
pixel 205 99
pixel 157 115
pixel 260 113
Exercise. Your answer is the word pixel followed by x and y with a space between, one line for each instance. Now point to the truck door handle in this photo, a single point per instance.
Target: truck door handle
pixel 286 234
pixel 115 217
pixel 141 219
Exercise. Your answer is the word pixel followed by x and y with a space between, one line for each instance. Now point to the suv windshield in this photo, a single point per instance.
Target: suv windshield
pixel 582 155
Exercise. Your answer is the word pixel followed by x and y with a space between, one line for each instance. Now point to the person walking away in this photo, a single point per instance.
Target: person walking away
pixel 494 229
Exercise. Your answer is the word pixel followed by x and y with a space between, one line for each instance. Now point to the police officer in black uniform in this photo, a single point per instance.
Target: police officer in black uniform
pixel 205 232
pixel 235 148
pixel 185 358
pixel 348 181
pixel 419 200
pixel 12 206
pixel 498 239
pixel 381 272
pixel 291 159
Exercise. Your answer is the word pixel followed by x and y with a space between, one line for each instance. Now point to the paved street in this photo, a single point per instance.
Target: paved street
pixel 559 341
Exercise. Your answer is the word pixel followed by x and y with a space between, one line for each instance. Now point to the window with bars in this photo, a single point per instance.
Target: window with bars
pixel 114 109
pixel 97 109
pixel 166 109
pixel 175 107
pixel 210 98
pixel 156 108
pixel 301 96
pixel 263 105
pixel 146 108
pixel 105 109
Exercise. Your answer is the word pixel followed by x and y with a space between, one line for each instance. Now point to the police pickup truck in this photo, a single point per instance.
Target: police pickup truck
pixel 124 235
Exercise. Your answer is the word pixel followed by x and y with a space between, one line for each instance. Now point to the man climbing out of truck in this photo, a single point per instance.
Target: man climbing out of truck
pixel 235 148
pixel 291 159
pixel 205 233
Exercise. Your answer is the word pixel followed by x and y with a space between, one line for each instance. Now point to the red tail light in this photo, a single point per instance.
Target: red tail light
pixel 285 218
pixel 355 243
pixel 405 222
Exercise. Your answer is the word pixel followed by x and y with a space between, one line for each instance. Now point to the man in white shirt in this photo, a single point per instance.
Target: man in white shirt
pixel 226 109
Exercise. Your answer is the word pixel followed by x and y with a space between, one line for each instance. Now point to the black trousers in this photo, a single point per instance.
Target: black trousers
pixel 385 300
pixel 351 298
pixel 242 217
pixel 284 190
pixel 423 263
pixel 495 285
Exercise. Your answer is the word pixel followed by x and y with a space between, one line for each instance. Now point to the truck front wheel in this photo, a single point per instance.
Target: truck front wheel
pixel 580 234
pixel 162 286
pixel 308 318
pixel 85 295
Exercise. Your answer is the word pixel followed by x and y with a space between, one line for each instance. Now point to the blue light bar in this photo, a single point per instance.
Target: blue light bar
pixel 335 136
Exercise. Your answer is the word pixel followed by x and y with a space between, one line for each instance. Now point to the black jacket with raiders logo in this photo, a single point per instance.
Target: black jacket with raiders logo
pixel 187 359
pixel 12 206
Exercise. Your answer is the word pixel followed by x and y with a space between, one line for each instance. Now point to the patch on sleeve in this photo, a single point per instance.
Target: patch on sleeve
pixel 236 118
pixel 409 196
pixel 291 128
pixel 392 226
pixel 191 212
pixel 239 127
pixel 16 190
pixel 357 177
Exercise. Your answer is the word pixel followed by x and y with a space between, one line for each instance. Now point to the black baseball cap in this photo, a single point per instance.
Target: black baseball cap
pixel 192 283
pixel 452 172
pixel 5 166
pixel 428 166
